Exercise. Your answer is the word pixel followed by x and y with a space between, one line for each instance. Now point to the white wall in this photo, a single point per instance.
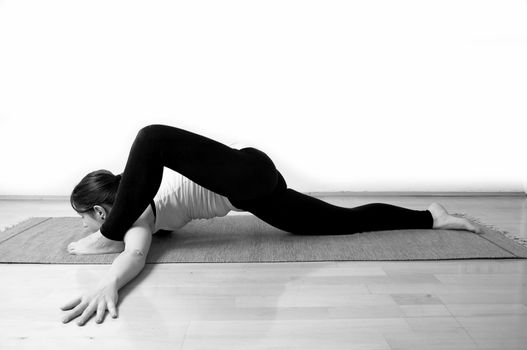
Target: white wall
pixel 374 95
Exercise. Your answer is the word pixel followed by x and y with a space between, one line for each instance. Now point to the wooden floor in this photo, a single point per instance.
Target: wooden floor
pixel 465 304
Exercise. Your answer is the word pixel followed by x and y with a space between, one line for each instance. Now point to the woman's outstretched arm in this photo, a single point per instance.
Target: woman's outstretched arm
pixel 124 268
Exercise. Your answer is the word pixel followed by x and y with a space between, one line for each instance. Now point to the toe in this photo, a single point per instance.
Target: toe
pixel 471 227
pixel 71 248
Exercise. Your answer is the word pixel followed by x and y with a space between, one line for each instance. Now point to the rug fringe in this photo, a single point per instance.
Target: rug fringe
pixel 10 226
pixel 519 240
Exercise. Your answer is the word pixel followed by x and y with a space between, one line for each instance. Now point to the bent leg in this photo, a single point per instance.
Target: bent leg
pixel 239 174
pixel 298 213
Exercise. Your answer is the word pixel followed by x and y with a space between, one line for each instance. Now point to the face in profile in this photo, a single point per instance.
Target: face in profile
pixel 90 222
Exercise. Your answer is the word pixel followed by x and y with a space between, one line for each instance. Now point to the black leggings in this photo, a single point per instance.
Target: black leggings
pixel 248 178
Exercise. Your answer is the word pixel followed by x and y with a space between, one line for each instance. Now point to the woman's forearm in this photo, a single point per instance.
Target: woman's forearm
pixel 125 267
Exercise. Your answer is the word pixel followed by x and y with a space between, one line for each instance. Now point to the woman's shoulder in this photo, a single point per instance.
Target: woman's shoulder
pixel 147 218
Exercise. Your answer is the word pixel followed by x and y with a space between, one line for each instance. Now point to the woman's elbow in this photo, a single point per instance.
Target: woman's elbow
pixel 135 253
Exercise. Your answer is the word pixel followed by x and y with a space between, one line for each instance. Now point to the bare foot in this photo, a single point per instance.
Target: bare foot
pixel 95 243
pixel 443 220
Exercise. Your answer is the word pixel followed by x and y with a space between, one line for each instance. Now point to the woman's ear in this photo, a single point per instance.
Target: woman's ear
pixel 99 212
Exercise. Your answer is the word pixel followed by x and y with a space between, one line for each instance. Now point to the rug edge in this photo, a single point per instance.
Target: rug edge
pixel 500 237
pixel 21 226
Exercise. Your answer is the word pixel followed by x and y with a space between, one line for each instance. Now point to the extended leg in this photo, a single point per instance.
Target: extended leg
pixel 298 213
pixel 240 174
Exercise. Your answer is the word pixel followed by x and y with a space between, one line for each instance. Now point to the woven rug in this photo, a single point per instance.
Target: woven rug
pixel 245 238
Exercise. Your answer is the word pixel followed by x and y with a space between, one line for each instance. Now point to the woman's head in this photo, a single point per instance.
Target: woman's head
pixel 93 197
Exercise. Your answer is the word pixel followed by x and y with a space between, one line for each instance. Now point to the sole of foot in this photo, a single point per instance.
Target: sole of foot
pixel 95 243
pixel 443 220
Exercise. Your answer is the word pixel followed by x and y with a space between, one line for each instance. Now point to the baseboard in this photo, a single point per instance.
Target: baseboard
pixel 320 194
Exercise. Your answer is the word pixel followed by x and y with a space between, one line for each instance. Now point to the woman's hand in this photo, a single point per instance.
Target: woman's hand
pixel 124 268
pixel 97 301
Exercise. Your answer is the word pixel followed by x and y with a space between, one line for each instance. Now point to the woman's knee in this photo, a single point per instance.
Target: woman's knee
pixel 153 135
pixel 151 131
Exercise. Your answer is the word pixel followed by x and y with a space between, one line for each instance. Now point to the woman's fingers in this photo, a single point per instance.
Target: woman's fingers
pixel 75 312
pixel 90 304
pixel 88 312
pixel 101 310
pixel 112 309
pixel 71 304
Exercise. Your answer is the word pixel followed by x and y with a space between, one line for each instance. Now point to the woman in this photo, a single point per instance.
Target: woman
pixel 208 179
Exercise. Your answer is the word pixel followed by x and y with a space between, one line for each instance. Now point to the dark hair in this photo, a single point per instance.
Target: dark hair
pixel 97 188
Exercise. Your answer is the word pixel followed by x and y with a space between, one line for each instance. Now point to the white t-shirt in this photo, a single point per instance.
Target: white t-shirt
pixel 180 200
